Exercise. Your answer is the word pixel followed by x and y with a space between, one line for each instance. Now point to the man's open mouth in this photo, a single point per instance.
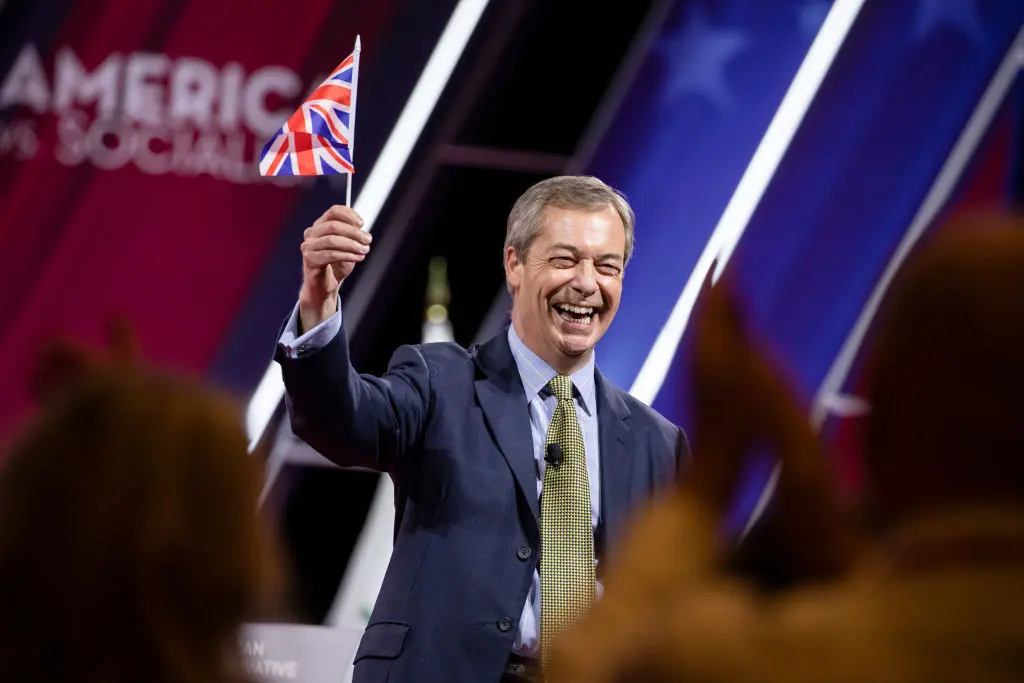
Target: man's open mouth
pixel 581 315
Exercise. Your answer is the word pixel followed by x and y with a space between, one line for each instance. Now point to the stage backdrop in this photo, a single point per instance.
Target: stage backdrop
pixel 129 132
pixel 911 81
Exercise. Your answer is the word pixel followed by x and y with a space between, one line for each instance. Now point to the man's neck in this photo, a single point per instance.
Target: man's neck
pixel 565 365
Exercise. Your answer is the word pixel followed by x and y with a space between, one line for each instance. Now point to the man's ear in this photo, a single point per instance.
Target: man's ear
pixel 513 268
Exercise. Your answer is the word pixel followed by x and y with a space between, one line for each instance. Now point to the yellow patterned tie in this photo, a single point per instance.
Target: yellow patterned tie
pixel 566 536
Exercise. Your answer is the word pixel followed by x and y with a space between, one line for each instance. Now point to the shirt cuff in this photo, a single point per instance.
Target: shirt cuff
pixel 295 345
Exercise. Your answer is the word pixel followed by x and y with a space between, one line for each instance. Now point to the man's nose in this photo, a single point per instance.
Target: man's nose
pixel 585 281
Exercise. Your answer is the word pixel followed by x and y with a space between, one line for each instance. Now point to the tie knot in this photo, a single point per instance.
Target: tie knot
pixel 561 387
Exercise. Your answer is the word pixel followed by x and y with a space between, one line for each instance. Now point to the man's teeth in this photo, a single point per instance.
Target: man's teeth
pixel 583 311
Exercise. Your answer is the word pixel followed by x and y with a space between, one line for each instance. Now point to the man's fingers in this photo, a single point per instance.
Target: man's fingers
pixel 337 243
pixel 326 257
pixel 321 251
pixel 340 213
pixel 337 227
pixel 336 239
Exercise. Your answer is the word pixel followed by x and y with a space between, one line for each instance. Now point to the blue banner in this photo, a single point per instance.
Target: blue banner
pixel 883 125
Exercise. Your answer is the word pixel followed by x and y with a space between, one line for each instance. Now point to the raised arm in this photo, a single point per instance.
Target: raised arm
pixel 354 420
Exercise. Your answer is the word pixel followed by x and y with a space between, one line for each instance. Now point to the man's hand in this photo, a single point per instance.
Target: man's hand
pixel 331 248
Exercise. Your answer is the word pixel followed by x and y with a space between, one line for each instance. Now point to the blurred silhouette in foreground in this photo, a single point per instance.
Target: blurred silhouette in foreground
pixel 130 547
pixel 930 589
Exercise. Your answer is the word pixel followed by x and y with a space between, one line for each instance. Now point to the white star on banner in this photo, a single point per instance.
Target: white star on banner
pixel 960 15
pixel 812 15
pixel 697 55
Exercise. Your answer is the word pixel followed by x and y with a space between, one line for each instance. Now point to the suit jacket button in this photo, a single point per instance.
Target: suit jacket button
pixel 524 553
pixel 504 624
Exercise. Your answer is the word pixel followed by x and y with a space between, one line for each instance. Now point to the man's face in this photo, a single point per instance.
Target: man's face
pixel 566 287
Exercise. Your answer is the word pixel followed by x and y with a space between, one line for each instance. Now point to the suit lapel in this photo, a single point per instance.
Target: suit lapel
pixel 617 456
pixel 499 390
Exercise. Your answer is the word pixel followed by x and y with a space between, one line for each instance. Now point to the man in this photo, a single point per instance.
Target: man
pixel 515 462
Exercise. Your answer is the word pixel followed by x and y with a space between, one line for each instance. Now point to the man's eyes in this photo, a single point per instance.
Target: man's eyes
pixel 609 269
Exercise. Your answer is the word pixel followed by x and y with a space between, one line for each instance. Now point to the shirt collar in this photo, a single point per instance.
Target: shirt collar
pixel 536 374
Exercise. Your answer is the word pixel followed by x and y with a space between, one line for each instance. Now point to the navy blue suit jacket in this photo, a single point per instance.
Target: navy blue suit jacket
pixel 451 426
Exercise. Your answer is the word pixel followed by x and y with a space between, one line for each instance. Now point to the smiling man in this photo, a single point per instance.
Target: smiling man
pixel 515 462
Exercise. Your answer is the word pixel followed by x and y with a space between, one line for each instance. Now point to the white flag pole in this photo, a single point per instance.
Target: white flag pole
pixel 352 117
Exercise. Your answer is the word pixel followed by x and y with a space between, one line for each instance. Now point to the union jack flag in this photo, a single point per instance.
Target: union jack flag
pixel 317 138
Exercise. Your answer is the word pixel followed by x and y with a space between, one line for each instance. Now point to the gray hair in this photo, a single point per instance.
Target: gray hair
pixel 584 193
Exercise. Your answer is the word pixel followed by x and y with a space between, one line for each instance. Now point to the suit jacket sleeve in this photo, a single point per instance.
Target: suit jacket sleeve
pixel 357 420
pixel 682 452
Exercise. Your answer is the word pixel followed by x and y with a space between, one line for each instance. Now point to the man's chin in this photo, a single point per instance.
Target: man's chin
pixel 574 341
pixel 576 346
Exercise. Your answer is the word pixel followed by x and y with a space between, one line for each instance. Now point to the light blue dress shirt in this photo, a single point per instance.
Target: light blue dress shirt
pixel 535 374
pixel 310 340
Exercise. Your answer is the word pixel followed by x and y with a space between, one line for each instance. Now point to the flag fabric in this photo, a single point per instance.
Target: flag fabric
pixel 317 138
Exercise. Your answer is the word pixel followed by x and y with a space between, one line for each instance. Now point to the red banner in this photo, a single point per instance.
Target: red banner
pixel 128 150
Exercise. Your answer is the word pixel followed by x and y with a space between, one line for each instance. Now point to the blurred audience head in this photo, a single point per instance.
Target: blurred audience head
pixel 947 375
pixel 130 545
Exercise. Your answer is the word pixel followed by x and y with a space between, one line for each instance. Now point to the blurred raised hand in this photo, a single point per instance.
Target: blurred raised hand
pixel 743 401
pixel 670 566
pixel 64 360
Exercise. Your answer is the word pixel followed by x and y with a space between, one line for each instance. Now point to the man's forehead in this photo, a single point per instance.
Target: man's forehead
pixel 573 227
pixel 560 211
